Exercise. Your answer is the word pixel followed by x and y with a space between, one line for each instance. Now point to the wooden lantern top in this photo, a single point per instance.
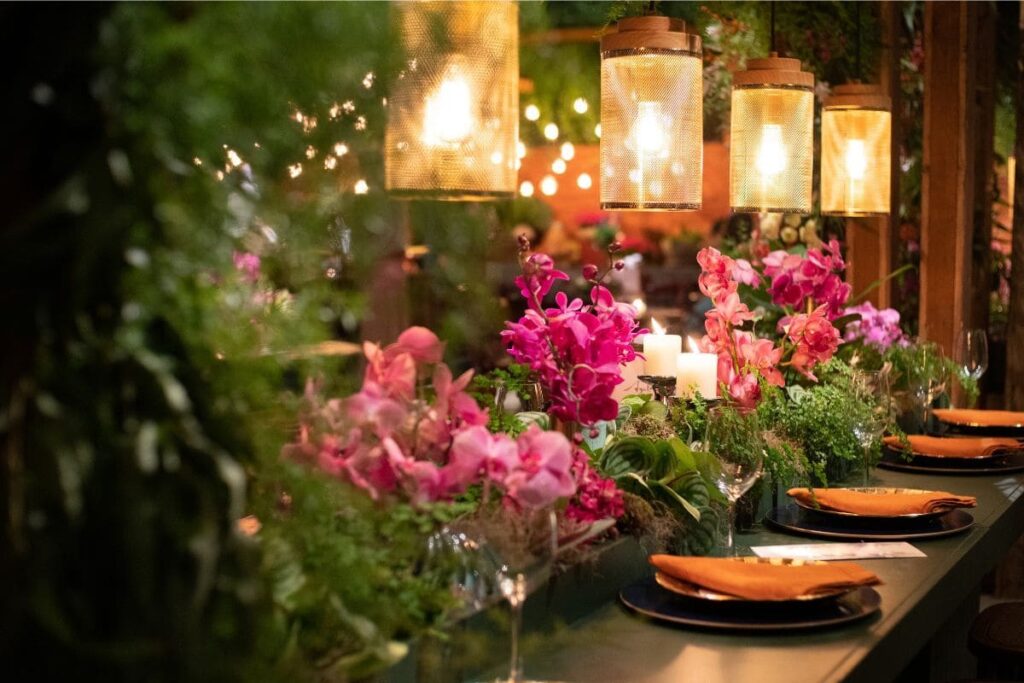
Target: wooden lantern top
pixel 858 96
pixel 773 70
pixel 653 33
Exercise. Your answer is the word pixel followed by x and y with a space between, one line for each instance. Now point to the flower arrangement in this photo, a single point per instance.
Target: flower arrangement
pixel 806 339
pixel 876 328
pixel 576 349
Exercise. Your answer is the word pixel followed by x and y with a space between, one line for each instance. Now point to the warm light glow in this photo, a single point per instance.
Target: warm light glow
pixel 568 151
pixel 856 159
pixel 694 348
pixel 340 149
pixel 448 115
pixel 526 188
pixel 532 113
pixel 520 149
pixel 497 157
pixel 361 187
pixel 580 105
pixel 771 153
pixel 597 131
pixel 330 162
pixel 649 130
pixel 558 166
pixel 295 170
pixel 584 181
pixel 641 307
pixel 548 185
pixel 551 131
pixel 656 328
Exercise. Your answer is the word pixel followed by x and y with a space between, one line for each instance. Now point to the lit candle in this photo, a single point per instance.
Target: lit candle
pixel 697 373
pixel 661 351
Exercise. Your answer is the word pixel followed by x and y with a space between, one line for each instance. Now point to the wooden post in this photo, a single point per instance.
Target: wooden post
pixel 1015 325
pixel 872 243
pixel 947 198
pixel 984 169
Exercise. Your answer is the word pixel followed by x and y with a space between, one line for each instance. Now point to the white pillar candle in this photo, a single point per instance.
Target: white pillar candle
pixel 697 372
pixel 661 351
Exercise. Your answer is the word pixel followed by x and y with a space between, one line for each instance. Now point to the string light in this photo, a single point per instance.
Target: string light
pixel 295 170
pixel 548 185
pixel 584 181
pixel 597 131
pixel 580 105
pixel 361 187
pixel 532 112
pixel 568 151
pixel 520 150
pixel 558 166
pixel 551 131
pixel 340 149
pixel 526 188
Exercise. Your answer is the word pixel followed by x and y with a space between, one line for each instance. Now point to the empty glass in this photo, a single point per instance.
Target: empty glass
pixel 874 413
pixel 972 352
pixel 735 438
pixel 927 378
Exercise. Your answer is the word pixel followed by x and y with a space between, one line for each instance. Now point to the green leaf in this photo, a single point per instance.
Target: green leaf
pixel 669 495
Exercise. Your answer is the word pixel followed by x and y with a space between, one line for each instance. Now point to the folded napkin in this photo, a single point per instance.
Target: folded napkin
pixel 956 446
pixel 762 581
pixel 979 418
pixel 881 504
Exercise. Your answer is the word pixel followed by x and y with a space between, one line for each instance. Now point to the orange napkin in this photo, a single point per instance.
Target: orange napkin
pixel 979 418
pixel 881 504
pixel 763 581
pixel 956 446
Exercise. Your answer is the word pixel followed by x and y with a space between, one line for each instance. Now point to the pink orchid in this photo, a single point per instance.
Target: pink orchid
pixel 815 338
pixel 878 328
pixel 744 273
pixel 248 264
pixel 420 343
pixel 596 497
pixel 744 390
pixel 477 453
pixel 761 355
pixel 539 275
pixel 542 474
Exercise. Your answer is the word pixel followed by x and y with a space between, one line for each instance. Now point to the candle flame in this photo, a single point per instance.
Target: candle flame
pixel 692 344
pixel 656 328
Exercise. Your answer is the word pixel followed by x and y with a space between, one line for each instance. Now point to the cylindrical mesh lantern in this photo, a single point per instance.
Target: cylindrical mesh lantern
pixel 652 121
pixel 771 144
pixel 856 151
pixel 454 109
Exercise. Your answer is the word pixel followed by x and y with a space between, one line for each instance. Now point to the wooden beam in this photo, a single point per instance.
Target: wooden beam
pixel 984 166
pixel 872 243
pixel 947 197
pixel 1015 324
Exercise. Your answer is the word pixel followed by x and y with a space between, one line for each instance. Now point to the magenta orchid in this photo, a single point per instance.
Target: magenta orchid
pixel 576 349
pixel 796 279
pixel 879 328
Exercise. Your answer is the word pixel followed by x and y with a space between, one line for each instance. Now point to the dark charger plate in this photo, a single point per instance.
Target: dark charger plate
pixel 651 600
pixel 1000 464
pixel 809 523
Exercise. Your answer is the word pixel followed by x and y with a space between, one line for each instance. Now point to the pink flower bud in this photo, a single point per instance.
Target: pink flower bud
pixel 589 271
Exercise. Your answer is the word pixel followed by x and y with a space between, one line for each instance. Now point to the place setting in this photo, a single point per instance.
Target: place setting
pixel 872 513
pixel 753 594
pixel 960 455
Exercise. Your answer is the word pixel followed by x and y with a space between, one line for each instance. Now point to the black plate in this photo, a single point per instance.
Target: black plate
pixel 950 429
pixel 651 600
pixel 793 519
pixel 1012 462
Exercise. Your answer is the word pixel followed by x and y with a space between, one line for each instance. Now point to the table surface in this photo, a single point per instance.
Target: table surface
pixel 918 595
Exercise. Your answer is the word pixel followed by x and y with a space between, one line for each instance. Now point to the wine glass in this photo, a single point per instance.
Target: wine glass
pixel 972 352
pixel 523 397
pixel 927 378
pixel 874 412
pixel 519 546
pixel 734 437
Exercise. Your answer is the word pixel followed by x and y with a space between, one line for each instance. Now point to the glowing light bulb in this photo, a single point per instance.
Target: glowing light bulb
pixel 532 113
pixel 448 114
pixel 497 157
pixel 558 166
pixel 641 306
pixel 520 150
pixel 597 131
pixel 584 181
pixel 568 151
pixel 526 188
pixel 771 153
pixel 580 105
pixel 856 159
pixel 340 149
pixel 551 131
pixel 548 185
pixel 649 134
pixel 361 187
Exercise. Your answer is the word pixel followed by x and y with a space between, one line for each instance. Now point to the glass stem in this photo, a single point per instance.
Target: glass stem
pixel 730 546
pixel 867 465
pixel 515 601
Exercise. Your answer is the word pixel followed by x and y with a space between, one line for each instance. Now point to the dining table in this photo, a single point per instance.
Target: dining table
pixel 927 604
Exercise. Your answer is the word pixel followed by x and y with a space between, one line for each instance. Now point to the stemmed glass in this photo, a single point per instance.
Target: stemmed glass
pixel 735 438
pixel 972 352
pixel 928 378
pixel 875 412
pixel 515 547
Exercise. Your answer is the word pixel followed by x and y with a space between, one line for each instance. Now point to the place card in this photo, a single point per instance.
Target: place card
pixel 839 551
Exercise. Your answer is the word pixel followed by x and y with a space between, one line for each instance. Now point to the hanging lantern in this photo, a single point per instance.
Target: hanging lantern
pixel 771 146
pixel 652 139
pixel 856 151
pixel 454 109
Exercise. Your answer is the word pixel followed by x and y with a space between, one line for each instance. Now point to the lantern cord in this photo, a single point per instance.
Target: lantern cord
pixel 856 53
pixel 652 7
pixel 771 15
